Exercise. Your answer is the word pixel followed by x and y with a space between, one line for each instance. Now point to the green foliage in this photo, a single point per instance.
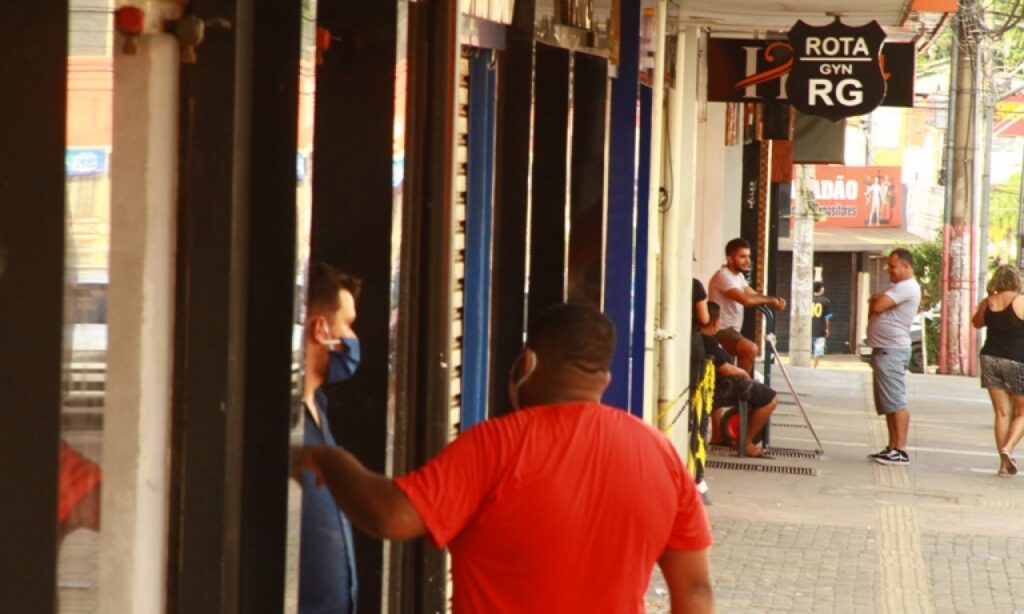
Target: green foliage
pixel 1007 48
pixel 1003 207
pixel 937 57
pixel 931 339
pixel 928 269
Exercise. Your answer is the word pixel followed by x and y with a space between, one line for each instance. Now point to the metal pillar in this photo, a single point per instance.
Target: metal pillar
pixel 33 43
pixel 353 218
pixel 620 229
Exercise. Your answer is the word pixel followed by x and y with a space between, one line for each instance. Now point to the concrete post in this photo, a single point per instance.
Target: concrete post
pixel 958 252
pixel 133 540
pixel 677 247
pixel 803 272
pixel 651 368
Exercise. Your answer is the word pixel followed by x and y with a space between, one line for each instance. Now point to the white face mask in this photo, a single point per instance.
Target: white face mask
pixel 513 386
pixel 327 340
pixel 343 356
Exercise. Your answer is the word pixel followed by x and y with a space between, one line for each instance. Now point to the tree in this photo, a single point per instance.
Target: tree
pixel 928 271
pixel 1002 223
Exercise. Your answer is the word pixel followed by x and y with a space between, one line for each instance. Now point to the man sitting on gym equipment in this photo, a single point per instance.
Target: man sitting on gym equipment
pixel 732 385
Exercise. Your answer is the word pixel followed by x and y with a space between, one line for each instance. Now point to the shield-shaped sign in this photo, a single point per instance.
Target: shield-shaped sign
pixel 836 71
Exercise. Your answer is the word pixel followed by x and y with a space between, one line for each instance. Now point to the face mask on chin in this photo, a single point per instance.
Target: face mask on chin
pixel 342 358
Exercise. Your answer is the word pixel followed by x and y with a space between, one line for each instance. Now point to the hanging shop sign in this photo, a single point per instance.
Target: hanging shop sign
pixel 84 162
pixel 857 196
pixel 1009 117
pixel 743 70
pixel 836 69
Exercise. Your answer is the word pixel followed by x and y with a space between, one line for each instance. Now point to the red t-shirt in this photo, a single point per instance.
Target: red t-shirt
pixel 78 476
pixel 560 508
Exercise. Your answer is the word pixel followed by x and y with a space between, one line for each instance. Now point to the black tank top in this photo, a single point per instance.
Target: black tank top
pixel 1005 337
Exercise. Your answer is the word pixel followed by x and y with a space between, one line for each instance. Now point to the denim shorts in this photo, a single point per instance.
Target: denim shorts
pixel 818 346
pixel 733 388
pixel 889 370
pixel 1002 374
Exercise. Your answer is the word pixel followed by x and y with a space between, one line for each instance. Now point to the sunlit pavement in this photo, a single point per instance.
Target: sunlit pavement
pixel 942 535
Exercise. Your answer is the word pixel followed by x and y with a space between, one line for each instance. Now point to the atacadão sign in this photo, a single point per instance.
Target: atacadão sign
pixel 836 71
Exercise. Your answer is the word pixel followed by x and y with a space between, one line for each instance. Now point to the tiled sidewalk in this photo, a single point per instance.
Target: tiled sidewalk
pixel 942 535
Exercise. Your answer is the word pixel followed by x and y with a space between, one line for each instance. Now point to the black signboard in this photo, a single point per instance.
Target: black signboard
pixel 836 71
pixel 744 70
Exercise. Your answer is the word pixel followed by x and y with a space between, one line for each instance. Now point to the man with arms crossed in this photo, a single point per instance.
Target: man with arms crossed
pixel 891 313
pixel 561 506
pixel 729 288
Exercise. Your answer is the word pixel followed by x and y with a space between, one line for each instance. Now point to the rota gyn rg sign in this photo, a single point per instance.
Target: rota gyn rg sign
pixel 837 70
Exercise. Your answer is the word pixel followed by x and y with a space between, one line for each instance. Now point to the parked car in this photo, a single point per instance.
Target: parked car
pixel 85 369
pixel 917 364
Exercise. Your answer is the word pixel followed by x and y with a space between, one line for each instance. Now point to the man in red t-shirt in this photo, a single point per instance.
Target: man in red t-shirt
pixel 562 506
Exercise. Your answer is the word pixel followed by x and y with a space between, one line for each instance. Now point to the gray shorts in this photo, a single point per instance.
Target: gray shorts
pixel 1002 374
pixel 889 368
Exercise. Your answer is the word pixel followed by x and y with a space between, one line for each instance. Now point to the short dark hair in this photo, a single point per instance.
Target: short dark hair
pixel 573 334
pixel 714 311
pixel 325 281
pixel 903 254
pixel 736 245
pixel 819 286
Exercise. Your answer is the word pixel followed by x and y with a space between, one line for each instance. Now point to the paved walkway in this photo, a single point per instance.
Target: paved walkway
pixel 942 535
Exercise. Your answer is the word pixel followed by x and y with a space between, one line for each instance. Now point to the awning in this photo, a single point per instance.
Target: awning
pixel 857 239
pixel 902 19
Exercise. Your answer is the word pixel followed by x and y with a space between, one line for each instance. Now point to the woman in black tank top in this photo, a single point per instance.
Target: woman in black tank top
pixel 1002 360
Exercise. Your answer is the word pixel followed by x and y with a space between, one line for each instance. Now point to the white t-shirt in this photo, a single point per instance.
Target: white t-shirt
pixel 891 328
pixel 732 311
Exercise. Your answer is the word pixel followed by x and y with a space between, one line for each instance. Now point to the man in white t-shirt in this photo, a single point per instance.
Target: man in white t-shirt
pixel 891 313
pixel 729 288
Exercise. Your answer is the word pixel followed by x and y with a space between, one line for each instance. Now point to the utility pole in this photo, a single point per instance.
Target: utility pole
pixel 987 93
pixel 803 272
pixel 959 231
pixel 1020 216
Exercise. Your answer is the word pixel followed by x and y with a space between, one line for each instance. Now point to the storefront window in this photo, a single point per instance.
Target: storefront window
pixel 90 83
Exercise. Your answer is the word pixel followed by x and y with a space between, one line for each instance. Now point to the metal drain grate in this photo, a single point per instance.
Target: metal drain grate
pixel 794 453
pixel 715 464
pixel 783 425
pixel 773 452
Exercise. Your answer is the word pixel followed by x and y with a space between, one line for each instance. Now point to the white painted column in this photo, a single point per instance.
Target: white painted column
pixel 651 366
pixel 719 176
pixel 711 201
pixel 133 540
pixel 677 246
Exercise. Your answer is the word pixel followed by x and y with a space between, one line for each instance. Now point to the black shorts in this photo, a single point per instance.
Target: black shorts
pixel 730 390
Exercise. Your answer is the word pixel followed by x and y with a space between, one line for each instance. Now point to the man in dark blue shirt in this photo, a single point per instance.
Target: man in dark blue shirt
pixel 327 566
pixel 821 315
pixel 733 384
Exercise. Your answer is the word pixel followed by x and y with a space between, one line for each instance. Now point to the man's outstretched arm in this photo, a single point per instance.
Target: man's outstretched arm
pixel 372 501
pixel 687 573
pixel 748 297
